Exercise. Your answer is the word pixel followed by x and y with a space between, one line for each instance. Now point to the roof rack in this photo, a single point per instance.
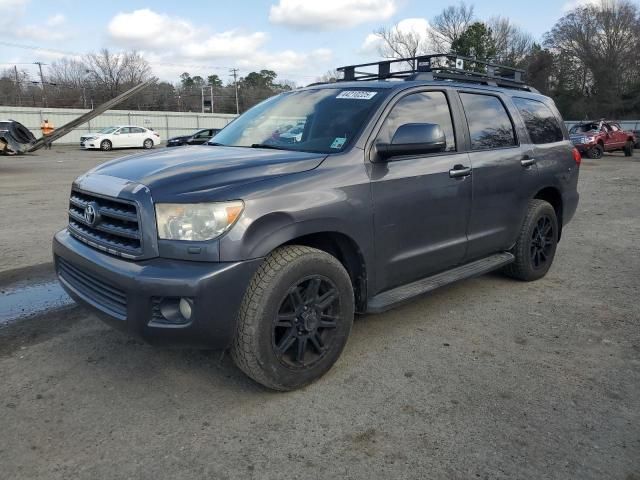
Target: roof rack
pixel 440 66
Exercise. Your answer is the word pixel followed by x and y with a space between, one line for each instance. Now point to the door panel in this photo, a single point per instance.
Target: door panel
pixel 501 170
pixel 420 211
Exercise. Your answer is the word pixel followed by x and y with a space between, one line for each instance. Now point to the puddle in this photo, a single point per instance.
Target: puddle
pixel 23 301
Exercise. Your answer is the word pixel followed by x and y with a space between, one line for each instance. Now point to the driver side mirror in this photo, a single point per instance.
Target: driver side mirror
pixel 413 139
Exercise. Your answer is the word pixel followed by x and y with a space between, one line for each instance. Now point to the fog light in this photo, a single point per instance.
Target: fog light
pixel 185 307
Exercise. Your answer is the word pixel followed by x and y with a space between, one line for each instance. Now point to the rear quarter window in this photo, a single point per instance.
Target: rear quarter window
pixel 541 123
pixel 489 123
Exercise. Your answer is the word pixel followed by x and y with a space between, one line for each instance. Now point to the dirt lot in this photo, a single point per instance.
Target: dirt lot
pixel 489 378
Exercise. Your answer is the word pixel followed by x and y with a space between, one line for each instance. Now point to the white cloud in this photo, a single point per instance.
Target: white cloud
pixel 416 26
pixel 146 29
pixel 56 20
pixel 173 45
pixel 330 14
pixel 52 29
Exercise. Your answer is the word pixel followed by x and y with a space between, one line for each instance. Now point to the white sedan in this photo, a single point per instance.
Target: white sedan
pixel 120 136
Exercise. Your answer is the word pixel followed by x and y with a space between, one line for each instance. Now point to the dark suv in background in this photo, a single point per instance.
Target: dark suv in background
pixel 269 247
pixel 197 138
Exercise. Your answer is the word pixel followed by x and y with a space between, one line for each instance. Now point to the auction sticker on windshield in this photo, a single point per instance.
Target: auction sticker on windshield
pixel 357 95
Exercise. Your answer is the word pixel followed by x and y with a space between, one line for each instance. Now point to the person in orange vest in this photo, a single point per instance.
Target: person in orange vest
pixel 47 129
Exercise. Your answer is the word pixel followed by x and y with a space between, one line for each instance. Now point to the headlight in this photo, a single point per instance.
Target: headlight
pixel 91 138
pixel 196 221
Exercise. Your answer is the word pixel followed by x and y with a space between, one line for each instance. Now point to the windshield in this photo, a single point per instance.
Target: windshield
pixel 583 128
pixel 320 120
pixel 4 125
pixel 108 130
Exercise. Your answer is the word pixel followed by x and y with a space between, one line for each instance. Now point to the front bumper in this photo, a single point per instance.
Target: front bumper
pixel 95 279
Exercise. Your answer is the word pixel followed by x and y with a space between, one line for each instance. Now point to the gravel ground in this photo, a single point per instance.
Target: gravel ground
pixel 488 378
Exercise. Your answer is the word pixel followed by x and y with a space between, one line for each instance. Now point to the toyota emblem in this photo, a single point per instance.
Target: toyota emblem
pixel 91 214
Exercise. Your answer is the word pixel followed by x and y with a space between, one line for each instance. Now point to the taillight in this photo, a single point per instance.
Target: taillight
pixel 576 156
pixel 158 135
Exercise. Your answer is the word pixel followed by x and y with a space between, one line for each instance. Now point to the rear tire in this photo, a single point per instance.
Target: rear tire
pixel 295 318
pixel 628 149
pixel 105 145
pixel 536 245
pixel 595 152
pixel 147 144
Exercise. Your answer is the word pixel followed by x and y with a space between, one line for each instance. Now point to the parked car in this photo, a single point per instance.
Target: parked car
pixel 121 136
pixel 197 138
pixel 269 247
pixel 595 138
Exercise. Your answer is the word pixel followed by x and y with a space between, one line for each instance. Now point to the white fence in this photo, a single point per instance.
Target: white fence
pixel 168 124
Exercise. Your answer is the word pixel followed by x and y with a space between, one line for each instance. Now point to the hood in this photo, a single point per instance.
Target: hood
pixel 202 170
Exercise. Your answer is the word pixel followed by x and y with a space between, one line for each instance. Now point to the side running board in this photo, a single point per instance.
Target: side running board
pixel 392 298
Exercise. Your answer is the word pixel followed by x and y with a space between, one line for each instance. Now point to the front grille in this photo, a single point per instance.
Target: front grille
pixel 103 295
pixel 114 227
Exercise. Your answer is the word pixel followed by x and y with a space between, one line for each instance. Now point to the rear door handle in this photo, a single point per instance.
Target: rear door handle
pixel 527 162
pixel 459 171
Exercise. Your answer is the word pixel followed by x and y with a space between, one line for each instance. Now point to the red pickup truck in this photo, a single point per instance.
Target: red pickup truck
pixel 595 138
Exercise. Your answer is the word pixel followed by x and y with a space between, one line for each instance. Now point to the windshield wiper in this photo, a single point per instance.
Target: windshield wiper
pixel 215 144
pixel 267 145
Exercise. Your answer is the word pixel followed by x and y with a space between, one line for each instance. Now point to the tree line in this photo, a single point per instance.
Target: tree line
pixel 588 62
pixel 97 77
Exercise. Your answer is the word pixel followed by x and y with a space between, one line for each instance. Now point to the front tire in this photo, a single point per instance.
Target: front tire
pixel 595 152
pixel 536 245
pixel 295 318
pixel 628 149
pixel 105 145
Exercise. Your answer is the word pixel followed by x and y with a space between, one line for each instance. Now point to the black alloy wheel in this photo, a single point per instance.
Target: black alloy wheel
pixel 542 242
pixel 306 322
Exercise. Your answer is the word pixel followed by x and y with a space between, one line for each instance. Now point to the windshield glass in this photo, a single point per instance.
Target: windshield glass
pixel 585 127
pixel 321 120
pixel 108 130
pixel 4 125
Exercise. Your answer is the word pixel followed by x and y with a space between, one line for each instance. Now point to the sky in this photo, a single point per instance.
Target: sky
pixel 299 39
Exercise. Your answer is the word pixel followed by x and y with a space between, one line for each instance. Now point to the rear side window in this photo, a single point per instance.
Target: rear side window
pixel 423 107
pixel 541 123
pixel 489 122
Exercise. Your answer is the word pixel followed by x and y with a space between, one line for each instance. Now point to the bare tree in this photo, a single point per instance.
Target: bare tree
pixel 512 43
pixel 331 76
pixel 68 72
pixel 115 71
pixel 605 39
pixel 402 43
pixel 449 25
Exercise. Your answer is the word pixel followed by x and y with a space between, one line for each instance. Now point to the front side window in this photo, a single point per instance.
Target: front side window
pixel 329 120
pixel 489 122
pixel 541 123
pixel 423 107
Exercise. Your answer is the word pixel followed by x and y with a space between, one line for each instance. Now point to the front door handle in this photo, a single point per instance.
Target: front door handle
pixel 527 161
pixel 459 171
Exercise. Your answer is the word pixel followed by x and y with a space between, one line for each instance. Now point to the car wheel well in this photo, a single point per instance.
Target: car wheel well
pixel 348 253
pixel 552 196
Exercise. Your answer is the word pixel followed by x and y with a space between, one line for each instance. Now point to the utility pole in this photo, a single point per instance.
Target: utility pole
pixel 234 72
pixel 15 71
pixel 44 92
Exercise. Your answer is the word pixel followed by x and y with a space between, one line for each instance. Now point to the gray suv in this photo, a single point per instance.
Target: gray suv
pixel 269 246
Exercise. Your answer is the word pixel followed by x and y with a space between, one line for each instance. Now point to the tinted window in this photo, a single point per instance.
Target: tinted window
pixel 541 123
pixel 424 107
pixel 124 130
pixel 137 130
pixel 489 123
